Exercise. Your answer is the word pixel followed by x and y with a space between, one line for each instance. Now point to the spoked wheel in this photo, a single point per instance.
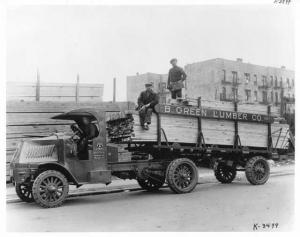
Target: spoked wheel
pixel 224 173
pixel 24 192
pixel 50 189
pixel 257 170
pixel 182 175
pixel 151 182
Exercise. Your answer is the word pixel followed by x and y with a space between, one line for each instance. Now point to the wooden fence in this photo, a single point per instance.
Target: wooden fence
pixel 27 120
pixel 76 92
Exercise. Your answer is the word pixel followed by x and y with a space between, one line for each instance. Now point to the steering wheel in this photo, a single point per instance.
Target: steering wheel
pixel 77 131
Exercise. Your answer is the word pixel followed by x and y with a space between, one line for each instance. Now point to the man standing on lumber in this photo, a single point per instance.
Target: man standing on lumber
pixel 175 81
pixel 146 102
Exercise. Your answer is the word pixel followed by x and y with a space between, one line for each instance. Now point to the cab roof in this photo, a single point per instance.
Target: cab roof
pixel 76 114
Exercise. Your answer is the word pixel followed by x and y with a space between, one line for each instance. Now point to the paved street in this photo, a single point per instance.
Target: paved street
pixel 211 207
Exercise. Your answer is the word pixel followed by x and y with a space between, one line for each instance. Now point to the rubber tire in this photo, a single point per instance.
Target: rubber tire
pixel 219 173
pixel 20 192
pixel 36 187
pixel 250 170
pixel 151 184
pixel 170 175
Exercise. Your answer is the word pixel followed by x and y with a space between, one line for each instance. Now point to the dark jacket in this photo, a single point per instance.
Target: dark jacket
pixel 90 131
pixel 176 74
pixel 147 97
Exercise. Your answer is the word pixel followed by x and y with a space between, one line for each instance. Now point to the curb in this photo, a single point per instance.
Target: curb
pixel 133 189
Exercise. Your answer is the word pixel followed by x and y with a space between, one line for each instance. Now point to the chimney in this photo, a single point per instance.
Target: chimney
pixel 239 60
pixel 137 74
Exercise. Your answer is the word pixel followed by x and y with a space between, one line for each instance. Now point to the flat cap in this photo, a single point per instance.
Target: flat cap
pixel 149 84
pixel 173 59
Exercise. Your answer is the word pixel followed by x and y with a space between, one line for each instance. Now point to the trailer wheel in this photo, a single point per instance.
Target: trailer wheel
pixel 24 192
pixel 257 170
pixel 182 175
pixel 224 173
pixel 152 183
pixel 50 189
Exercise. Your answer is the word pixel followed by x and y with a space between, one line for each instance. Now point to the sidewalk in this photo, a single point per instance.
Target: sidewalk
pixel 205 176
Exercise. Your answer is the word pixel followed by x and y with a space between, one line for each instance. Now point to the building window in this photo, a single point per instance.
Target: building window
pixel 264 97
pixel 247 77
pixel 276 82
pixel 281 82
pixel 288 82
pixel 223 75
pixel 234 93
pixel 255 79
pixel 248 95
pixel 264 80
pixel 234 77
pixel 293 82
pixel 162 87
pixel 271 80
pixel 272 96
pixel 276 98
pixel 223 94
pixel 255 96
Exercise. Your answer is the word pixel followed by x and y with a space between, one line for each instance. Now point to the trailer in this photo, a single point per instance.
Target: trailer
pixel 180 137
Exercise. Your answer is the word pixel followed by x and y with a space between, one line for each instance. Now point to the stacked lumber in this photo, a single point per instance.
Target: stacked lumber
pixel 119 128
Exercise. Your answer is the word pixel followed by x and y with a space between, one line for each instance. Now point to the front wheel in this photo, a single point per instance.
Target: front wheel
pixel 182 175
pixel 50 189
pixel 24 192
pixel 257 170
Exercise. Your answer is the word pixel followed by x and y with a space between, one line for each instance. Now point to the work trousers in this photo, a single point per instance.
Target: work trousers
pixel 145 116
pixel 176 94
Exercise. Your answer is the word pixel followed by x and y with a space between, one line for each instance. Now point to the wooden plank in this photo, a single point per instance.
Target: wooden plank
pixel 211 113
pixel 33 119
pixel 58 107
pixel 219 132
pixel 60 91
pixel 15 131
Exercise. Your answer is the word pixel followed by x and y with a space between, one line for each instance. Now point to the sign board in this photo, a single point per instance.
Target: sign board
pixel 192 111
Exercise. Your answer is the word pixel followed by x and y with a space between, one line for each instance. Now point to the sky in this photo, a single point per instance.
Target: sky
pixel 103 42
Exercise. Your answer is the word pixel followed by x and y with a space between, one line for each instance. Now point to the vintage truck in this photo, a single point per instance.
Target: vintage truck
pixel 237 137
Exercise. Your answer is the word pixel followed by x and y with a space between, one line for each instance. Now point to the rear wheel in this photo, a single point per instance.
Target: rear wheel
pixel 224 173
pixel 151 183
pixel 257 170
pixel 182 175
pixel 50 189
pixel 24 192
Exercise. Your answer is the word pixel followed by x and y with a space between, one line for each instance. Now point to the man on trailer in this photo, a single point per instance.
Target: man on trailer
pixel 175 81
pixel 146 102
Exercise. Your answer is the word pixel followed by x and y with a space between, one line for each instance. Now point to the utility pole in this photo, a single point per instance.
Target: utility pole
pixel 114 90
pixel 38 86
pixel 77 89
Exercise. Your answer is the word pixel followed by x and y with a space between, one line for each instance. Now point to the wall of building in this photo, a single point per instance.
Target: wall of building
pixel 136 84
pixel 213 79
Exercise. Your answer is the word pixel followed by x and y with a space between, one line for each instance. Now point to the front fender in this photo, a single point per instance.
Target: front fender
pixel 56 166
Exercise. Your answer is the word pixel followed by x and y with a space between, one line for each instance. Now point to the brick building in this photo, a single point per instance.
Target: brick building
pixel 222 79
pixel 136 84
pixel 227 80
